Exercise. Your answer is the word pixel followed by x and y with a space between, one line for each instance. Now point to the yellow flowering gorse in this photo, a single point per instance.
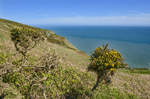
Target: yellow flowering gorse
pixel 104 62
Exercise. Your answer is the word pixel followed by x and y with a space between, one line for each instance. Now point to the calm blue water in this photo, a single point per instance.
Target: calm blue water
pixel 132 42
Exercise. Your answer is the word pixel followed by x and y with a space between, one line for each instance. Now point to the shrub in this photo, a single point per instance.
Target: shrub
pixel 104 61
pixel 49 61
pixel 58 83
pixel 25 39
pixel 47 79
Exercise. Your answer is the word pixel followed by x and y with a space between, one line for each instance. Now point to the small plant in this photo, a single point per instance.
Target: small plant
pixel 3 58
pixel 25 39
pixel 104 61
pixel 50 60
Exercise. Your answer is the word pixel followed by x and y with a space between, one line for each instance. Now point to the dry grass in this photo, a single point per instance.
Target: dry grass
pixel 138 84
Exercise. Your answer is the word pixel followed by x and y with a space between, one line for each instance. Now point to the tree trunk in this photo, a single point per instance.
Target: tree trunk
pixel 97 82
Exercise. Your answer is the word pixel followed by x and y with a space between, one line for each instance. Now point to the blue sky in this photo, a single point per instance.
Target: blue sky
pixel 77 12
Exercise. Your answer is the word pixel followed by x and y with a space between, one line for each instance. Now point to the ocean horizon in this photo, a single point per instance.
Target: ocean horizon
pixel 133 42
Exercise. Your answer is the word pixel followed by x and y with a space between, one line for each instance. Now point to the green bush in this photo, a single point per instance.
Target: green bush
pixel 104 61
pixel 25 39
pixel 58 83
pixel 47 79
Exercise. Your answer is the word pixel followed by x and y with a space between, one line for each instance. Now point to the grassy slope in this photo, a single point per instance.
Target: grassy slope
pixel 62 46
pixel 131 81
pixel 70 56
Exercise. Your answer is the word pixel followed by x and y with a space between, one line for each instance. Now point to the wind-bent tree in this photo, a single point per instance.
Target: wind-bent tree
pixel 104 61
pixel 25 39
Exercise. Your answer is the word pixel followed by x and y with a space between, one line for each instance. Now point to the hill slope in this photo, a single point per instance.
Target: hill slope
pixel 127 81
pixel 58 43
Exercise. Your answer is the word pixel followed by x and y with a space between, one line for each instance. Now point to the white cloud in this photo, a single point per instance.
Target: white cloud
pixel 135 19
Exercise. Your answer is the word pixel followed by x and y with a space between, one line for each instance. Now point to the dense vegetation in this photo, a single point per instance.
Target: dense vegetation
pixel 104 61
pixel 45 75
pixel 25 39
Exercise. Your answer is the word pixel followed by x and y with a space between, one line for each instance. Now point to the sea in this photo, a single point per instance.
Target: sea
pixel 133 42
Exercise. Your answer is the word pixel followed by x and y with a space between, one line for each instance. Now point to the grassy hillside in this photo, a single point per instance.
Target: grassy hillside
pixel 58 43
pixel 126 84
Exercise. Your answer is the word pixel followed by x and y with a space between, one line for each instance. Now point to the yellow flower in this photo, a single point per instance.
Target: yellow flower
pixel 110 61
pixel 106 64
pixel 97 50
pixel 112 65
pixel 112 69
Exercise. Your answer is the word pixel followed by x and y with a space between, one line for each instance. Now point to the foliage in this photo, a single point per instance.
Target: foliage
pixel 3 58
pixel 7 25
pixel 58 83
pixel 104 61
pixel 44 77
pixel 25 39
pixel 47 79
pixel 7 93
pixel 50 60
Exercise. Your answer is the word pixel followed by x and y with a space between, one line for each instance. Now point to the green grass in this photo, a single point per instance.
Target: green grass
pixel 16 24
pixel 2 36
pixel 136 70
pixel 106 92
